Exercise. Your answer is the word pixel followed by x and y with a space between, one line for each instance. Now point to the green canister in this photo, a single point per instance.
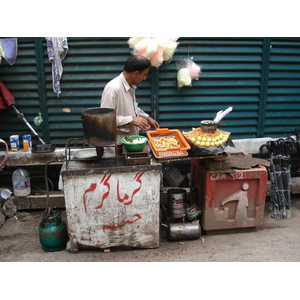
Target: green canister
pixel 53 233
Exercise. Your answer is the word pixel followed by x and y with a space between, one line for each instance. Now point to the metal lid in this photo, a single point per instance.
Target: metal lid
pixel 207 122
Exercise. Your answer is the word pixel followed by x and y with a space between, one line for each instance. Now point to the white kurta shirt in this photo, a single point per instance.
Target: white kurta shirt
pixel 120 96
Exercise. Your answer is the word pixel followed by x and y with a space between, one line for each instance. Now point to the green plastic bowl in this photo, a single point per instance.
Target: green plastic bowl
pixel 134 146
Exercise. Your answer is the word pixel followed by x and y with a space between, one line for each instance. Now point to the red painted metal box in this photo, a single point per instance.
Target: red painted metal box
pixel 235 200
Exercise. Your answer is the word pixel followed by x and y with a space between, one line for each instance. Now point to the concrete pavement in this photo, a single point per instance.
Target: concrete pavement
pixel 274 241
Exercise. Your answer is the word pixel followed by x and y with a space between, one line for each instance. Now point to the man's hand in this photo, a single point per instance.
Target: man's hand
pixel 140 122
pixel 154 124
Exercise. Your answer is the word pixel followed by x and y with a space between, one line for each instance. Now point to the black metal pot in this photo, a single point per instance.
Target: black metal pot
pixel 208 125
pixel 99 126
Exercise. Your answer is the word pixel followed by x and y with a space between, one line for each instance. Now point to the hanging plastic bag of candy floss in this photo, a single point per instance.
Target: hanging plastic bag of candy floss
pixel 187 71
pixel 157 58
pixel 170 46
pixel 157 49
pixel 194 69
pixel 140 47
pixel 133 41
pixel 183 74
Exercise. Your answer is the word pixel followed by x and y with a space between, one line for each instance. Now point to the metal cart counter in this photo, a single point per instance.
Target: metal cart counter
pixel 110 204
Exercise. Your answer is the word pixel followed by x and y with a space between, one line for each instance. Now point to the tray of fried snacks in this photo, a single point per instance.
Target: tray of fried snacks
pixel 166 143
pixel 205 142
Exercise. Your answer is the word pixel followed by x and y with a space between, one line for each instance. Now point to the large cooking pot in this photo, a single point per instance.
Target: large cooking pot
pixel 99 126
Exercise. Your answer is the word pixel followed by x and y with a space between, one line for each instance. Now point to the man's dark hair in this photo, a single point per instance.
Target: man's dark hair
pixel 136 63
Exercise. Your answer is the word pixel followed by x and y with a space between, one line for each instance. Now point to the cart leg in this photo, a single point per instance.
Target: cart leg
pixel 72 246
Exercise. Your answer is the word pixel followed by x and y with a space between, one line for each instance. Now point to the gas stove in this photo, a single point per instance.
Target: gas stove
pixel 81 156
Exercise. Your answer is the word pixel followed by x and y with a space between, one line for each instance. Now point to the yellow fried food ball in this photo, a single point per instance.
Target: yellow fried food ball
pixel 198 143
pixel 202 144
pixel 207 144
pixel 199 138
pixel 204 139
pixel 212 143
pixel 193 139
pixel 209 139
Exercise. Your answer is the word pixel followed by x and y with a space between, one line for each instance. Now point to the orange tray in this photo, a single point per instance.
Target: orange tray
pixel 168 152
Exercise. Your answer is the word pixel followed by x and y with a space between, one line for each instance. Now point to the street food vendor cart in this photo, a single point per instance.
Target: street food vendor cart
pixel 114 201
pixel 110 204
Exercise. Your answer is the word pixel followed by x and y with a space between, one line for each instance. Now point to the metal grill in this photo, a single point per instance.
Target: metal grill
pixel 77 144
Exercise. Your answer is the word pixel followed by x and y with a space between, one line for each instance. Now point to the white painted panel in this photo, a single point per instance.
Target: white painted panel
pixel 110 210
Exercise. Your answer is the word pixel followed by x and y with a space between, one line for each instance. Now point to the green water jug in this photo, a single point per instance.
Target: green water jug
pixel 53 233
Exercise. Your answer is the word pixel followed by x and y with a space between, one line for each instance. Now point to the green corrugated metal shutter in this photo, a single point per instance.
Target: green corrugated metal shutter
pixel 22 81
pixel 89 64
pixel 283 94
pixel 261 84
pixel 231 76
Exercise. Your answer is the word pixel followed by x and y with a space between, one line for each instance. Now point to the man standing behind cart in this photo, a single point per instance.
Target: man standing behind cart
pixel 119 94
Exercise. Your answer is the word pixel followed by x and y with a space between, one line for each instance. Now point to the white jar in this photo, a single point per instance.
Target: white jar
pixel 21 183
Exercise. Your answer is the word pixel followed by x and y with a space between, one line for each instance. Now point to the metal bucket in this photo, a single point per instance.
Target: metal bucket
pixel 184 231
pixel 99 126
pixel 176 203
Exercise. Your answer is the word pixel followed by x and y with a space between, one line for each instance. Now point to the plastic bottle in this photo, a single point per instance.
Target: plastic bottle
pixel 21 183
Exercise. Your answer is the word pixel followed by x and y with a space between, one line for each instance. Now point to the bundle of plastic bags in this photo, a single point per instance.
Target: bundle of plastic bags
pixel 157 49
pixel 187 72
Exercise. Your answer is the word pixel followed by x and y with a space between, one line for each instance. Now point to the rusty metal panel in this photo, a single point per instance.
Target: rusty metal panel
pixel 229 201
pixel 113 209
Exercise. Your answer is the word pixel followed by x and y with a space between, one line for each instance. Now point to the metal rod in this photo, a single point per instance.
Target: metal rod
pixel 21 116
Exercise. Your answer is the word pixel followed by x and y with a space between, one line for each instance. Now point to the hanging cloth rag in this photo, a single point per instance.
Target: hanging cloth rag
pixel 57 48
pixel 6 98
pixel 8 49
